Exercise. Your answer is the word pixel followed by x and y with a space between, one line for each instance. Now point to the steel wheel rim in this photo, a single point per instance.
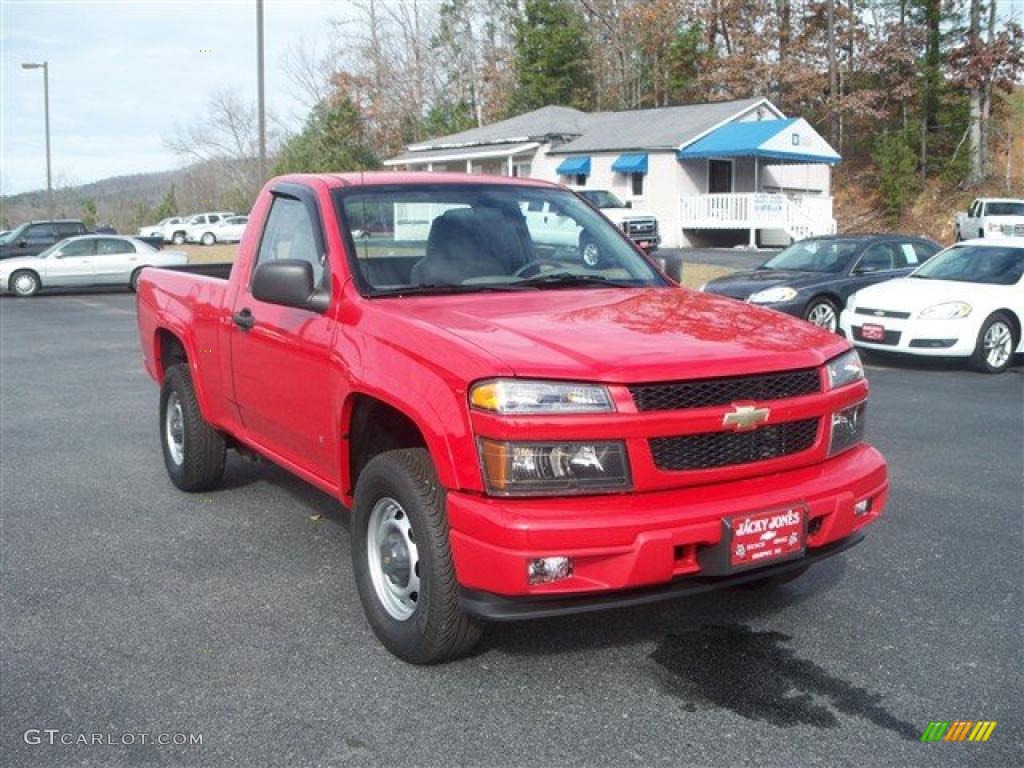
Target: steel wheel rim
pixel 591 254
pixel 393 559
pixel 998 344
pixel 174 427
pixel 24 284
pixel 823 316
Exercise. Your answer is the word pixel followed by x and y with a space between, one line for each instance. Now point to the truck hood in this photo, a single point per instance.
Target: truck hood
pixel 622 214
pixel 625 335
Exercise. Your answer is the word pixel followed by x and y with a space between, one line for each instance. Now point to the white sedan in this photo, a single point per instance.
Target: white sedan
pixel 966 301
pixel 82 261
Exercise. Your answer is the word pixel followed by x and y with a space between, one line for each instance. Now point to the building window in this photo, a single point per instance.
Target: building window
pixel 580 180
pixel 521 170
pixel 636 182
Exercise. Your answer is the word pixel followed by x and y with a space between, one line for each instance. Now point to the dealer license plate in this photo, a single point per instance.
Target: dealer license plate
pixel 872 332
pixel 761 537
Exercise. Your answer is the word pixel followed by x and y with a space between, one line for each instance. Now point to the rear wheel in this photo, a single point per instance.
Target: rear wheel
pixel 823 313
pixel 194 451
pixel 590 252
pixel 996 343
pixel 403 562
pixel 178 238
pixel 24 283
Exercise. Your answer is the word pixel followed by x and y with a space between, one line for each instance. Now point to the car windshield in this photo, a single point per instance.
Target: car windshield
pixel 602 198
pixel 814 256
pixel 52 249
pixel 1005 209
pixel 432 238
pixel 994 265
pixel 13 235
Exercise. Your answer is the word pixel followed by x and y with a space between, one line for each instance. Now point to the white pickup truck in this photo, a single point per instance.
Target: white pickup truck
pixel 640 226
pixel 991 217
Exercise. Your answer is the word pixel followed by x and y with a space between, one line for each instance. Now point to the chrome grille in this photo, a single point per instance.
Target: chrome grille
pixel 705 393
pixel 711 450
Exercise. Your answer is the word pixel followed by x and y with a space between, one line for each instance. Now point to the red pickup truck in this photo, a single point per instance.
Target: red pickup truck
pixel 518 432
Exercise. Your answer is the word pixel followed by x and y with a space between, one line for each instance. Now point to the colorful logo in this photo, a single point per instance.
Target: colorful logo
pixel 958 730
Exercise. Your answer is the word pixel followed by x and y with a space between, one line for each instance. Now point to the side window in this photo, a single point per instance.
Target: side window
pixel 906 255
pixel 77 248
pixel 40 233
pixel 637 184
pixel 925 251
pixel 68 229
pixel 289 234
pixel 214 219
pixel 109 246
pixel 877 258
pixel 972 212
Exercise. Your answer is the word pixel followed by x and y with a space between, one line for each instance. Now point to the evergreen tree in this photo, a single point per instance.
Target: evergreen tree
pixel 333 139
pixel 551 60
pixel 168 206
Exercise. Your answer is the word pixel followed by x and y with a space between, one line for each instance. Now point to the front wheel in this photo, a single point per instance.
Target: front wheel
pixel 403 563
pixel 996 343
pixel 24 283
pixel 178 238
pixel 823 313
pixel 208 238
pixel 590 252
pixel 194 452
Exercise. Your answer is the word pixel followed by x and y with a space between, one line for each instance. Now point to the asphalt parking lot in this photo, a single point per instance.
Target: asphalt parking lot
pixel 129 607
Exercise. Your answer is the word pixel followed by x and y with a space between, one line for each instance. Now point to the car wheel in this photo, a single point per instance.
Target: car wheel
pixel 133 281
pixel 194 451
pixel 178 238
pixel 823 313
pixel 590 253
pixel 997 341
pixel 403 562
pixel 208 238
pixel 24 283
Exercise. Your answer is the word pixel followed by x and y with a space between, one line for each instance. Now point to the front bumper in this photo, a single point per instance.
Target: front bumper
pixel 627 542
pixel 912 336
pixel 647 243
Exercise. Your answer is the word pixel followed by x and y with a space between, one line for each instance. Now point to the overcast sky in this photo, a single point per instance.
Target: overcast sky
pixel 122 74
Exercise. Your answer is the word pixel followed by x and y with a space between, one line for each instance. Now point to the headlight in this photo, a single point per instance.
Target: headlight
pixel 845 369
pixel 521 396
pixel 951 310
pixel 774 295
pixel 847 429
pixel 512 469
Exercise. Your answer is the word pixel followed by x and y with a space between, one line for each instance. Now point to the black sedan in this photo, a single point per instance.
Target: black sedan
pixel 813 278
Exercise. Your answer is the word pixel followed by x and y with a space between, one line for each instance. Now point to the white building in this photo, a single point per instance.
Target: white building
pixel 726 172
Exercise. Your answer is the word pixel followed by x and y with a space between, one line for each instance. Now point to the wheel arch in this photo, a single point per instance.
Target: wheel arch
pixel 172 347
pixel 39 277
pixel 1015 321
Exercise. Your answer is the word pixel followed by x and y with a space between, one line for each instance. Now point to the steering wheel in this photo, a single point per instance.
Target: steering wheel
pixel 536 266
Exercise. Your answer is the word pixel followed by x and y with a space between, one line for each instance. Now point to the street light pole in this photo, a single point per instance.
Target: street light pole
pixel 46 109
pixel 261 107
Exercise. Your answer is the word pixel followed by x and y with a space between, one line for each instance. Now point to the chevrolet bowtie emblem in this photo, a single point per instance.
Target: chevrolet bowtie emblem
pixel 745 418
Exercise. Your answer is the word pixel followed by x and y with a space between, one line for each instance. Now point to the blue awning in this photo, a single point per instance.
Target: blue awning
pixel 630 164
pixel 574 166
pixel 790 140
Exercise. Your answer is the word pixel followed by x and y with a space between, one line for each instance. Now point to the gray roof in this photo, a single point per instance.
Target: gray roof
pixel 502 149
pixel 638 129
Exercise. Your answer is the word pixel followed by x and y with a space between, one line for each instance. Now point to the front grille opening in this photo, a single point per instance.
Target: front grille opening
pixel 705 393
pixel 711 450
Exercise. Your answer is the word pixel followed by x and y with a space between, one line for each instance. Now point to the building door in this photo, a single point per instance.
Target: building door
pixel 719 177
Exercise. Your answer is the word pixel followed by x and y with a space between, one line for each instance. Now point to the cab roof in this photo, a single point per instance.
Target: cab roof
pixel 388 178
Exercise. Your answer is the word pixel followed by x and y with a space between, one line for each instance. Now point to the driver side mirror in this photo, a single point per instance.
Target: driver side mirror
pixel 22 243
pixel 290 283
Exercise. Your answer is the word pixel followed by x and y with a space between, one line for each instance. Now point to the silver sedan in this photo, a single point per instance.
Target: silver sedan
pixel 83 261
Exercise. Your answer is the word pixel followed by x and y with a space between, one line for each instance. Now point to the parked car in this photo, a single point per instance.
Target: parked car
pixel 84 261
pixel 34 237
pixel 814 278
pixel 640 226
pixel 991 217
pixel 517 435
pixel 968 301
pixel 197 226
pixel 164 229
pixel 227 230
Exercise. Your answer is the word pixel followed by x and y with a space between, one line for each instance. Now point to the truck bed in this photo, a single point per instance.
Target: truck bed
pixel 220 270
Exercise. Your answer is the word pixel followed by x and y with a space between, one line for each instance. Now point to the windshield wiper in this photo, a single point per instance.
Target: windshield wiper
pixel 560 279
pixel 427 289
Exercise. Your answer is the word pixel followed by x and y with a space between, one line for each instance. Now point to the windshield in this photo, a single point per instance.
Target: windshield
pixel 13 235
pixel 1004 209
pixel 814 256
pixel 994 265
pixel 484 237
pixel 602 198
pixel 52 249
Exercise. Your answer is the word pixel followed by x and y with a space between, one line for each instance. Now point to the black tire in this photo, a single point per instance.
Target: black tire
pixel 133 281
pixel 980 360
pixel 208 238
pixel 772 582
pixel 178 238
pixel 437 629
pixel 590 252
pixel 24 283
pixel 203 448
pixel 822 307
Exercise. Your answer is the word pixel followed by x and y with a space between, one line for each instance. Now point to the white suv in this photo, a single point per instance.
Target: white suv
pixel 199 228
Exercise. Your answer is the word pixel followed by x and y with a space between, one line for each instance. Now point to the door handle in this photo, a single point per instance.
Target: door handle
pixel 243 319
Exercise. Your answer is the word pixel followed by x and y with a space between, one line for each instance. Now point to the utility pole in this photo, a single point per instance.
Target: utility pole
pixel 261 106
pixel 46 108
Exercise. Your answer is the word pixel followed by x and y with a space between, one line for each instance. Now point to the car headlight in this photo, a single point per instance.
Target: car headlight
pixel 512 469
pixel 524 397
pixel 847 429
pixel 950 310
pixel 774 295
pixel 845 369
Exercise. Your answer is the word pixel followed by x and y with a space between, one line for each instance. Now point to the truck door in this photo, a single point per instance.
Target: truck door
pixel 281 356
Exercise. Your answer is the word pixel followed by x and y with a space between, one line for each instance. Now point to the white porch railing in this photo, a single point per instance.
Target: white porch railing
pixel 800 217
